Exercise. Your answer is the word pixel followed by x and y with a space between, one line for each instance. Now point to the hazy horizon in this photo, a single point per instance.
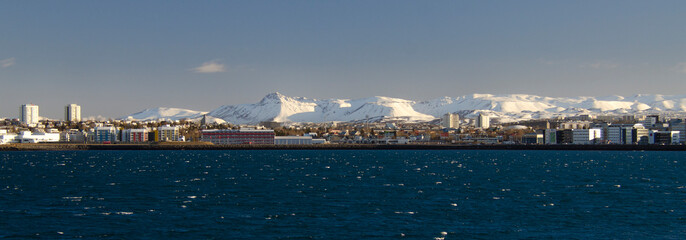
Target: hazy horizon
pixel 118 58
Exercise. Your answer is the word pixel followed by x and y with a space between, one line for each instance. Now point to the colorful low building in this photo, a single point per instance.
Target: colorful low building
pixel 134 135
pixel 105 134
pixel 167 134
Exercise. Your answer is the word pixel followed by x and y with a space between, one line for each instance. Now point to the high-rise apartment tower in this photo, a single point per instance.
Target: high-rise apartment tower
pixel 450 120
pixel 29 114
pixel 72 113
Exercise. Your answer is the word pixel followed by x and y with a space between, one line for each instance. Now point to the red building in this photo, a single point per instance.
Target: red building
pixel 134 135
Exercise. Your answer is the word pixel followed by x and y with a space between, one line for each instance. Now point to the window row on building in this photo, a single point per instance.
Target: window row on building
pixel 242 136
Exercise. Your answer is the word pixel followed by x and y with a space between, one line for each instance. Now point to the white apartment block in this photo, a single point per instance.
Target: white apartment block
pixel 450 120
pixel 482 121
pixel 72 113
pixel 29 114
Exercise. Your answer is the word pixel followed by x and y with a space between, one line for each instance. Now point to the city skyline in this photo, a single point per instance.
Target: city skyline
pixel 115 59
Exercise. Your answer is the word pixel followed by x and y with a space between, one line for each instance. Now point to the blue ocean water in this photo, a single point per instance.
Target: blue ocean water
pixel 336 194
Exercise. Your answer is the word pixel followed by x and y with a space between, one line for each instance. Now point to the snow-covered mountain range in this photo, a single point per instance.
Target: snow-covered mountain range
pixel 511 107
pixel 164 113
pixel 172 114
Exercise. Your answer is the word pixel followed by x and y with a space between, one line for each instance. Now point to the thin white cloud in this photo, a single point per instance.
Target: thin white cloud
pixel 210 67
pixel 547 61
pixel 680 67
pixel 601 65
pixel 96 118
pixel 5 63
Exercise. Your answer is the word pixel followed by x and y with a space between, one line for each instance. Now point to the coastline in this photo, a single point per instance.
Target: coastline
pixel 207 146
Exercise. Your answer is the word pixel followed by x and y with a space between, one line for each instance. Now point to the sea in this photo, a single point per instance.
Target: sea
pixel 343 194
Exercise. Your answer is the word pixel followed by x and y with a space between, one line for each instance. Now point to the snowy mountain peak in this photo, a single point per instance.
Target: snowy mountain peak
pixel 274 97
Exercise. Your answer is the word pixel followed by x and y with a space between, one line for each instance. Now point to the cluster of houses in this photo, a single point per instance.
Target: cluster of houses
pixel 582 129
pixel 255 136
pixel 101 134
pixel 111 134
pixel 649 131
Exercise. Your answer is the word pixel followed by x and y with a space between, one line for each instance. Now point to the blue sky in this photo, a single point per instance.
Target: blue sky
pixel 118 57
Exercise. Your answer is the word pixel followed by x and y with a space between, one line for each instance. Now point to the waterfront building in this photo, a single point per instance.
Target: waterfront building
pixel 73 135
pixel 626 133
pixel 640 135
pixel 482 121
pixel 681 127
pixel 167 133
pixel 242 136
pixel 550 136
pixel 105 134
pixel 586 136
pixel 29 114
pixel 72 113
pixel 134 135
pixel 532 138
pixel 663 137
pixel 485 140
pixel 38 137
pixel 620 134
pixel 450 120
pixel 6 137
pixel 604 129
pixel 289 140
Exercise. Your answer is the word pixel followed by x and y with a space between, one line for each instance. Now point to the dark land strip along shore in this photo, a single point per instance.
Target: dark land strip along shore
pixel 202 146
